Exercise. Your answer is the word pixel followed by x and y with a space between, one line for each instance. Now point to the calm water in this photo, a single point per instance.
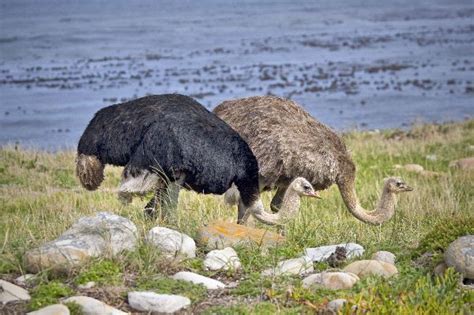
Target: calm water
pixel 352 64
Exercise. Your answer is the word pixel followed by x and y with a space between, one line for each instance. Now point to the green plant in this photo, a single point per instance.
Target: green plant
pixel 48 293
pixel 74 308
pixel 443 233
pixel 101 272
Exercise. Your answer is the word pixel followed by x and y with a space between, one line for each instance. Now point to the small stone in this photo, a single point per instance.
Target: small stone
pixel 195 278
pixel 331 280
pixel 87 285
pixel 225 259
pixel 91 306
pixel 104 233
pixel 55 309
pixel 431 157
pixel 365 268
pixel 463 164
pixel 336 305
pixel 172 243
pixel 10 292
pixel 295 266
pixel 460 256
pixel 440 269
pixel 430 173
pixel 25 279
pixel 322 253
pixel 384 256
pixel 219 235
pixel 416 168
pixel 157 303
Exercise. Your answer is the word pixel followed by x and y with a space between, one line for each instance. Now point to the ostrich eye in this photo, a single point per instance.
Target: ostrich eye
pixel 306 187
pixel 399 184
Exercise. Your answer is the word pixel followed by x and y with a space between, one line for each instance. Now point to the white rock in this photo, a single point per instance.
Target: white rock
pixel 336 305
pixel 104 233
pixel 90 306
pixel 295 266
pixel 172 243
pixel 159 303
pixel 385 256
pixel 416 168
pixel 10 292
pixel 55 309
pixel 225 259
pixel 87 285
pixel 322 253
pixel 431 157
pixel 195 278
pixel 25 279
pixel 331 280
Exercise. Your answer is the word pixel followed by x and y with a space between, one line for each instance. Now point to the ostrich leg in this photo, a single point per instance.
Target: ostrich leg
pixel 277 200
pixel 166 197
pixel 243 213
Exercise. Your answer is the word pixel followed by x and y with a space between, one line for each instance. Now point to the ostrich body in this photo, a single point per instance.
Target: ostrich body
pixel 165 139
pixel 288 142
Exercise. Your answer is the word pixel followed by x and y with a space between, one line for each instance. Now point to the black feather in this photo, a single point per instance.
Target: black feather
pixel 176 135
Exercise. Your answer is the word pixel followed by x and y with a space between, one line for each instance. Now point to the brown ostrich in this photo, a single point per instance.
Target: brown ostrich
pixel 289 143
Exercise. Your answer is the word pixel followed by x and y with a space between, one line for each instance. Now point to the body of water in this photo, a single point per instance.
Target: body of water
pixel 351 64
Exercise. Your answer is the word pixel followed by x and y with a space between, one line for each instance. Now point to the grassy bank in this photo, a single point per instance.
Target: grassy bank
pixel 40 198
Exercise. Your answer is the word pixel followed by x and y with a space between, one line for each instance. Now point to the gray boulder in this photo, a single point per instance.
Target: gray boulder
pixel 103 234
pixel 460 256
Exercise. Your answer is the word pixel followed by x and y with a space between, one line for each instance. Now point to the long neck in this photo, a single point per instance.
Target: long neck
pixel 384 211
pixel 289 208
pixel 290 205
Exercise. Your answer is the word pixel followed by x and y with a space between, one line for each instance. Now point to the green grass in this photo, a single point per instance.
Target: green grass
pixel 40 198
pixel 101 272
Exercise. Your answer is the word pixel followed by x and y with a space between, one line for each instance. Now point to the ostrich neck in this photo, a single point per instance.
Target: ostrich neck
pixel 290 205
pixel 385 207
pixel 289 209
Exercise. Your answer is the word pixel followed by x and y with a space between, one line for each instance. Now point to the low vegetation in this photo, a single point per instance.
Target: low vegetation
pixel 40 198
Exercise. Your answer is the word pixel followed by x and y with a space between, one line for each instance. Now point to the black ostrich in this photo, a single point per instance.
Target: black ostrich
pixel 163 139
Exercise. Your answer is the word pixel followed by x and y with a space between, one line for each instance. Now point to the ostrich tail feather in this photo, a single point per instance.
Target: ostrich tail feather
pixel 90 171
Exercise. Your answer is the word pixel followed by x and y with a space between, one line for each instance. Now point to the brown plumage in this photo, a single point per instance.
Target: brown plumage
pixel 288 142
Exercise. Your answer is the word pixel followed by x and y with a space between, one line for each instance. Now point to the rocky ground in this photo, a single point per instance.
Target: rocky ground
pixel 65 246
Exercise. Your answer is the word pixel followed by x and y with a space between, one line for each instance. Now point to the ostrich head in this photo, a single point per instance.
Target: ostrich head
pixel 396 185
pixel 304 188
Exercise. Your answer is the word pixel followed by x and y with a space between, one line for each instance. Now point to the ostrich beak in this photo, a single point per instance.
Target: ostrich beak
pixel 314 194
pixel 408 188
